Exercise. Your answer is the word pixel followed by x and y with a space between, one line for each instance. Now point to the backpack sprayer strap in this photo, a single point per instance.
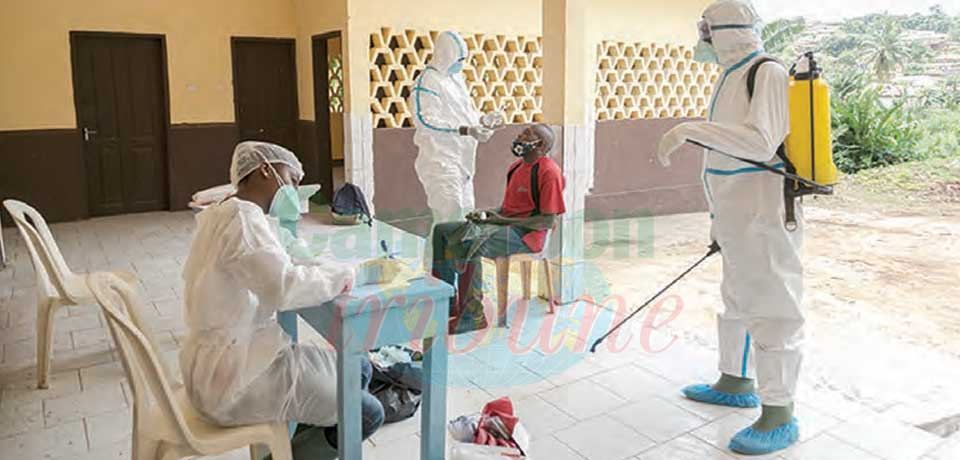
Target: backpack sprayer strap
pixel 789 197
pixel 792 187
pixel 789 192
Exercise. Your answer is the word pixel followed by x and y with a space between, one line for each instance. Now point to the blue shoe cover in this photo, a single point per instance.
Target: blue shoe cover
pixel 752 442
pixel 706 394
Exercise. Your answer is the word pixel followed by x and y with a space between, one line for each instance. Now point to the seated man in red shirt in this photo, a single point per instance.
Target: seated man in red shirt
pixel 531 205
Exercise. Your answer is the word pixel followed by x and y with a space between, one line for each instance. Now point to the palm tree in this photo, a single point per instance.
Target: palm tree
pixel 884 48
pixel 779 36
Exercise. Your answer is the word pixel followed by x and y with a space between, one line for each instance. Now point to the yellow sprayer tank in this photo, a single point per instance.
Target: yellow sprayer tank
pixel 809 145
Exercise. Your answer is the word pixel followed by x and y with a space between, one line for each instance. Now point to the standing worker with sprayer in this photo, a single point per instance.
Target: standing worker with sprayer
pixel 754 222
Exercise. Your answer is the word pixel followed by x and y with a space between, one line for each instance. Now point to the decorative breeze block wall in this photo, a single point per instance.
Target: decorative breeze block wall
pixel 501 72
pixel 335 84
pixel 644 80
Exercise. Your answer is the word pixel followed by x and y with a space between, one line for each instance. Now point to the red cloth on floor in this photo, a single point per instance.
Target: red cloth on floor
pixel 502 408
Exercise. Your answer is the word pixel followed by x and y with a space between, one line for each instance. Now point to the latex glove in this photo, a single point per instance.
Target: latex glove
pixel 477 216
pixel 378 271
pixel 479 133
pixel 493 120
pixel 491 217
pixel 673 140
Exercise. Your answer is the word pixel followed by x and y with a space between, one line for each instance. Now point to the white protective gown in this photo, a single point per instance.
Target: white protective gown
pixel 441 104
pixel 762 326
pixel 238 366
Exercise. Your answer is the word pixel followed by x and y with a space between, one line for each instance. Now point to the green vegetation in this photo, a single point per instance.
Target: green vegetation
pixel 945 95
pixel 931 185
pixel 779 38
pixel 935 20
pixel 939 135
pixel 878 121
pixel 884 49
pixel 866 134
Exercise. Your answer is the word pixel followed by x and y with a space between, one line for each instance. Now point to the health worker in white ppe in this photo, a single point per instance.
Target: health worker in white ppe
pixel 762 324
pixel 239 367
pixel 448 129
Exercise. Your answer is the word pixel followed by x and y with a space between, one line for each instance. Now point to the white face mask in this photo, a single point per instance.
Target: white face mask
pixel 705 53
pixel 304 192
pixel 285 205
pixel 286 202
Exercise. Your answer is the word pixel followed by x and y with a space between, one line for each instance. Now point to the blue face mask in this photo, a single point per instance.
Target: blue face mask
pixel 705 53
pixel 455 68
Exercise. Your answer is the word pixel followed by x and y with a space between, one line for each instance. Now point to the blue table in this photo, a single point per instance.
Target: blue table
pixel 373 316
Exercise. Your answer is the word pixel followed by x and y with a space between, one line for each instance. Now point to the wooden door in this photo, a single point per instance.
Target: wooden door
pixel 265 90
pixel 120 95
pixel 326 110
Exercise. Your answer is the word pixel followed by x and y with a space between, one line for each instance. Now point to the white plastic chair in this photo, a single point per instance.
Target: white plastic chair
pixel 165 424
pixel 57 285
pixel 3 251
pixel 526 269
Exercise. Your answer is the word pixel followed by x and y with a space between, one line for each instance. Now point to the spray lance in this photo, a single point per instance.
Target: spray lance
pixel 819 188
pixel 794 185
pixel 714 248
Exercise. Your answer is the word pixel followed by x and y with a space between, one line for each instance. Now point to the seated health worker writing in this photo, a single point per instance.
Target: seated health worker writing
pixel 239 367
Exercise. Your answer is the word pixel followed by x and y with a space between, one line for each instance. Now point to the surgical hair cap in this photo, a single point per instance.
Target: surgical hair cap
pixel 249 155
pixel 546 134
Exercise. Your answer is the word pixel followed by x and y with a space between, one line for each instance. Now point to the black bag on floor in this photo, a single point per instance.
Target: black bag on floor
pixel 398 388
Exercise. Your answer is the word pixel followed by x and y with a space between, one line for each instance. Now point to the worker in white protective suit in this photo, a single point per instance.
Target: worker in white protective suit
pixel 762 325
pixel 448 128
pixel 239 367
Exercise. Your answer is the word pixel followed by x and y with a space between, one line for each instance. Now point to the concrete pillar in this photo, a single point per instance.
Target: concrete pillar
pixel 569 62
pixel 357 119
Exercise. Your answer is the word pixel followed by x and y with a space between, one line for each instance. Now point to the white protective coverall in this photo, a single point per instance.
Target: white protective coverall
pixel 762 284
pixel 441 104
pixel 238 366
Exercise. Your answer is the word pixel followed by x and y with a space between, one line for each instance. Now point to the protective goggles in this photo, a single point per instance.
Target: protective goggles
pixel 705 30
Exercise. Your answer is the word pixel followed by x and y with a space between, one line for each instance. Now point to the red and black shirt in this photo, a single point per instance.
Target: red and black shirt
pixel 518 199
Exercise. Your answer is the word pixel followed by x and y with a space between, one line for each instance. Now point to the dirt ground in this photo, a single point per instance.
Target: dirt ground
pixel 882 283
pixel 894 238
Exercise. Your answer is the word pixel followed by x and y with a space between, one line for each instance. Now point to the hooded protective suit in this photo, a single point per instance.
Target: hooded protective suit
pixel 441 104
pixel 762 273
pixel 238 366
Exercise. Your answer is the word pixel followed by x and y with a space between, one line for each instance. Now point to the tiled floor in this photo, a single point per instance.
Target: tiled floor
pixel 607 406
